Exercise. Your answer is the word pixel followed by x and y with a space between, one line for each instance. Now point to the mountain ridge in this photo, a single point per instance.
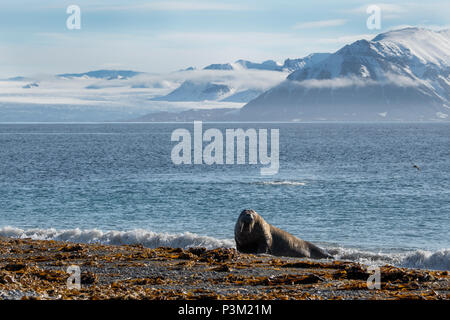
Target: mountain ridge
pixel 400 74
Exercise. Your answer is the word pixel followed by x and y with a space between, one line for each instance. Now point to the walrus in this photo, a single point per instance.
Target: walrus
pixel 254 235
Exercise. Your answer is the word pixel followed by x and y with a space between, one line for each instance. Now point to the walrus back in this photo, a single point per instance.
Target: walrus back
pixel 286 244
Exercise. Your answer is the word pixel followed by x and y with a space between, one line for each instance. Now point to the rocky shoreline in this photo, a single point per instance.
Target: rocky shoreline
pixel 36 269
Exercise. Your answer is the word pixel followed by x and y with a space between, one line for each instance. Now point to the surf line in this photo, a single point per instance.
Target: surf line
pixel 235 139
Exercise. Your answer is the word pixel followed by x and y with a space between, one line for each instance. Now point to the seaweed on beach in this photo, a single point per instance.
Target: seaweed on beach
pixel 38 269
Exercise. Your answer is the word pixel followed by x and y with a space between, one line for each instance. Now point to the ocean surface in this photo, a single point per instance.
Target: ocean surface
pixel 348 187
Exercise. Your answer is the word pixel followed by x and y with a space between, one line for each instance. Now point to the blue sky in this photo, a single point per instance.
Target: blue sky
pixel 163 36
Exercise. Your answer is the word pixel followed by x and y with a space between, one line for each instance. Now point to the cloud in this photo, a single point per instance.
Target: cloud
pixel 345 39
pixel 342 82
pixel 194 6
pixel 227 37
pixel 412 11
pixel 158 51
pixel 174 6
pixel 385 8
pixel 136 92
pixel 433 27
pixel 320 24
pixel 240 79
pixel 333 83
pixel 403 81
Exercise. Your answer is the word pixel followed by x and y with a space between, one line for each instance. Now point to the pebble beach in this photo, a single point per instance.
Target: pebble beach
pixel 37 269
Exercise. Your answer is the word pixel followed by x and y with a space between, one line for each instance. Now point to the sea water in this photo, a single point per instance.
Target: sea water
pixel 351 188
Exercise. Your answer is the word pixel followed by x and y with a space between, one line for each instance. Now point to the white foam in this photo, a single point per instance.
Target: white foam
pixel 283 182
pixel 420 259
pixel 428 260
pixel 149 239
pixel 437 260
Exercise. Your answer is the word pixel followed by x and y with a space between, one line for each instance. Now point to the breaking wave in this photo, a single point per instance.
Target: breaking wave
pixel 420 259
pixel 146 238
pixel 282 182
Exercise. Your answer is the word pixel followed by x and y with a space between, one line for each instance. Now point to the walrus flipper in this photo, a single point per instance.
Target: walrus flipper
pixel 247 248
pixel 263 247
pixel 318 253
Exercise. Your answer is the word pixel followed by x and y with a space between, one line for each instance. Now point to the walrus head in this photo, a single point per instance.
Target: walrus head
pixel 246 221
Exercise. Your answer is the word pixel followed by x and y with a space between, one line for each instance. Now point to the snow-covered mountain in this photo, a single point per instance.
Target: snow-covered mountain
pixel 219 83
pixel 292 65
pixel 102 74
pixel 209 91
pixel 399 75
pixel 196 91
pixel 266 65
pixel 228 82
pixel 245 64
pixel 289 65
pixel 219 66
pixel 243 96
